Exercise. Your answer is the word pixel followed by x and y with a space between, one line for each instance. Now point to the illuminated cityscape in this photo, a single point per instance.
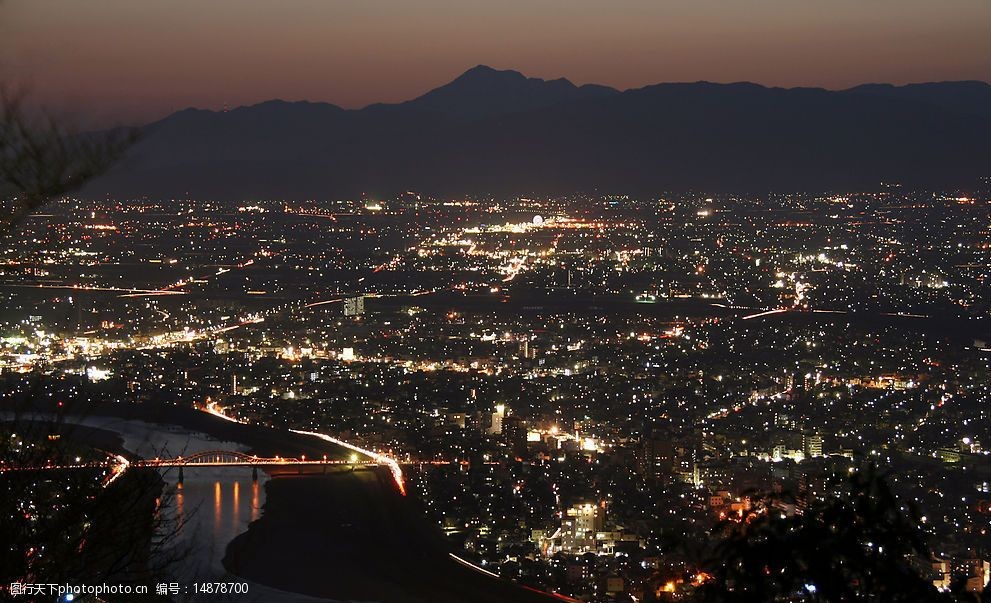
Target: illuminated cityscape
pixel 568 386
pixel 680 301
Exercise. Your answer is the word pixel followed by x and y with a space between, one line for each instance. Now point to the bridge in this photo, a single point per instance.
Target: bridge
pixel 208 458
pixel 117 464
pixel 232 458
pixel 226 458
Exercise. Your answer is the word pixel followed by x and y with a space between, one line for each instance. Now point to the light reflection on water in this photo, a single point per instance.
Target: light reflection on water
pixel 210 504
pixel 203 540
pixel 212 512
pixel 256 504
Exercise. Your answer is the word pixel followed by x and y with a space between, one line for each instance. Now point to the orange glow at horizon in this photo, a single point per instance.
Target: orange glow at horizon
pixel 120 45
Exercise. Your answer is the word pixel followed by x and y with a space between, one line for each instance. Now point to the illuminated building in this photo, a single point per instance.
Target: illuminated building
pixel 812 445
pixel 656 456
pixel 354 306
pixel 495 428
pixel 579 528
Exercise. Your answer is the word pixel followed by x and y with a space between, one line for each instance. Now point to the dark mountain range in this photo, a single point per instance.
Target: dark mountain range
pixel 484 92
pixel 499 132
pixel 965 97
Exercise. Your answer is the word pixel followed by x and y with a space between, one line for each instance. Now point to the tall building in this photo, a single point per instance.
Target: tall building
pixel 579 529
pixel 515 433
pixel 588 517
pixel 783 420
pixel 942 574
pixel 354 306
pixel 977 572
pixel 495 427
pixel 656 456
pixel 812 445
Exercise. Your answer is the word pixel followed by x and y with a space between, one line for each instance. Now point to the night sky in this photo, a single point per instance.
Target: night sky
pixel 135 60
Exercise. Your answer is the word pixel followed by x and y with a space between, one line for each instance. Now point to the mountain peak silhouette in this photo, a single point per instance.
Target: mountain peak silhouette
pixel 491 131
pixel 483 91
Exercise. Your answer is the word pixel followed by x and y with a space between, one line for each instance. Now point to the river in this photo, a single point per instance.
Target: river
pixel 213 505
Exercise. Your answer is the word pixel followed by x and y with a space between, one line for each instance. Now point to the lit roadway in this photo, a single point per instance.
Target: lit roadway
pixel 220 458
pixel 209 458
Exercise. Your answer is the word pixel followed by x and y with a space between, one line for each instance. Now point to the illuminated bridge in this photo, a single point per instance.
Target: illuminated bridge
pixel 209 458
pixel 230 458
pixel 359 458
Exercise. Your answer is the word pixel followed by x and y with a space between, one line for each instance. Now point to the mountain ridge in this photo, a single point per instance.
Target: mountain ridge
pixel 500 132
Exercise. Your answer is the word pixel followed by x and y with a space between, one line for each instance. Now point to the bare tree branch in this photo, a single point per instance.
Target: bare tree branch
pixel 42 159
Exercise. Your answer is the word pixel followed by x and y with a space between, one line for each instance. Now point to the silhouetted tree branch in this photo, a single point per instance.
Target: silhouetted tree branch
pixel 41 158
pixel 66 526
pixel 862 545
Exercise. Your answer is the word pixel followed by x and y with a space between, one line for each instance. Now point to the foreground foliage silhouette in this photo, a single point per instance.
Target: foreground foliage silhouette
pixel 42 158
pixel 861 544
pixel 67 528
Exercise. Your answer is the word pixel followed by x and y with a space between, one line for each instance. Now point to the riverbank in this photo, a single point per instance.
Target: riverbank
pixel 348 536
pixel 175 421
pixel 351 536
